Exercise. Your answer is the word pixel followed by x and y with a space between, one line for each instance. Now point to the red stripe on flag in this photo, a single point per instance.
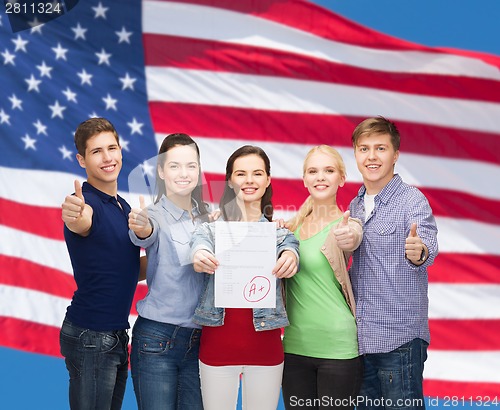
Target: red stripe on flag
pixel 311 18
pixel 465 268
pixel 42 221
pixel 29 275
pixel 461 334
pixel 314 129
pixel 198 54
pixel 30 336
pixel 465 393
pixel 25 274
pixel 289 194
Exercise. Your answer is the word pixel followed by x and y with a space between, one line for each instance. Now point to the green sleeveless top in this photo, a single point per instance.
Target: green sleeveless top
pixel 321 323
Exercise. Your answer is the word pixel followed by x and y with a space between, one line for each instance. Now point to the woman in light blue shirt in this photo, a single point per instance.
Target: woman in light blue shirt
pixel 165 340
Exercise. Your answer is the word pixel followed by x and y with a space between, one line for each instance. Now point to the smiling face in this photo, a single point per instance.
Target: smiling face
pixel 249 178
pixel 375 158
pixel 180 171
pixel 322 176
pixel 102 161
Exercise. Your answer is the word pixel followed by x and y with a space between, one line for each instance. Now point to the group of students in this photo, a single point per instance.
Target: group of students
pixel 354 337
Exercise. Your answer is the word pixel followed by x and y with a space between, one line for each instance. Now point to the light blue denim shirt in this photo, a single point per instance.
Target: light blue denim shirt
pixel 174 287
pixel 206 314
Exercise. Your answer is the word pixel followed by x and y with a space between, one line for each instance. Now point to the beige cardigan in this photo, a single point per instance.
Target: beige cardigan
pixel 338 259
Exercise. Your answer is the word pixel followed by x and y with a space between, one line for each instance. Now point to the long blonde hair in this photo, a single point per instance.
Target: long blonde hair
pixel 307 206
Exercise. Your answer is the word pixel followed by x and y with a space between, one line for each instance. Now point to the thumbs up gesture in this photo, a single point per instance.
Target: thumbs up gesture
pixel 138 220
pixel 414 246
pixel 76 215
pixel 343 233
pixel 73 205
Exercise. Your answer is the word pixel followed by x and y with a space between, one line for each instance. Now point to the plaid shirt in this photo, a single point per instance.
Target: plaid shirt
pixel 391 292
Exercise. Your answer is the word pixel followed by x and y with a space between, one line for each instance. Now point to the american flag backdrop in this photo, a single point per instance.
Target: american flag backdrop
pixel 281 74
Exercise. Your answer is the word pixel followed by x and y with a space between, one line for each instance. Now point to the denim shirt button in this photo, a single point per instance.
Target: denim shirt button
pixel 262 324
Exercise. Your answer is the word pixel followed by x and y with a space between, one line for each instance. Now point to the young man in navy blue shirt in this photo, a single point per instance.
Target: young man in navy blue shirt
pixel 93 337
pixel 389 272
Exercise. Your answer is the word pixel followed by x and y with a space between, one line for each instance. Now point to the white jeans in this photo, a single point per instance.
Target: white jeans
pixel 260 386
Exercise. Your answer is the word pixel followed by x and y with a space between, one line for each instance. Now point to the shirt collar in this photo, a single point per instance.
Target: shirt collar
pixel 174 210
pixel 102 195
pixel 387 192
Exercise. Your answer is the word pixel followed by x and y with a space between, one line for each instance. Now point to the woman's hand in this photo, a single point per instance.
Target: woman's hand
pixel 286 265
pixel 205 261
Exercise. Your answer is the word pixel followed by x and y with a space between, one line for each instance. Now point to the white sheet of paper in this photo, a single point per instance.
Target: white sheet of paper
pixel 246 252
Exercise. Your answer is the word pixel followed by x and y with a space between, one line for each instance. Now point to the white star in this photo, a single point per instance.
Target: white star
pixel 4 117
pixel 33 83
pixel 44 70
pixel 124 144
pixel 85 77
pixel 103 57
pixel 20 43
pixel 79 32
pixel 110 102
pixel 123 35
pixel 57 110
pixel 29 142
pixel 40 128
pixel 93 115
pixel 60 52
pixel 66 153
pixel 128 82
pixel 147 168
pixel 16 102
pixel 135 126
pixel 70 95
pixel 36 26
pixel 8 58
pixel 100 11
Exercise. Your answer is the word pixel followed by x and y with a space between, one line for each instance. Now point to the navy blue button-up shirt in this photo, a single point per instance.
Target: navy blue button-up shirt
pixel 390 291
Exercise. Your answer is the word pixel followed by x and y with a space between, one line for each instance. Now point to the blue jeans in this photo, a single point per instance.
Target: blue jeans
pixel 97 363
pixel 394 380
pixel 165 368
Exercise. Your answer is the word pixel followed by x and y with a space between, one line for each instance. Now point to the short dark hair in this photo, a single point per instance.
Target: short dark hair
pixel 90 128
pixel 377 125
pixel 228 206
pixel 171 141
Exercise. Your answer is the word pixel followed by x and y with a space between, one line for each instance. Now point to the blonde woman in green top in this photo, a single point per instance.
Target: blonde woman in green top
pixel 322 366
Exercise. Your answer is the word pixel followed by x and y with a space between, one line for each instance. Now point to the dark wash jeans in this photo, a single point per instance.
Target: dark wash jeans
pixel 394 380
pixel 165 367
pixel 97 363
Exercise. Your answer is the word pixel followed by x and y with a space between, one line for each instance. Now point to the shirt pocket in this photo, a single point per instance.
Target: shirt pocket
pixel 180 237
pixel 385 238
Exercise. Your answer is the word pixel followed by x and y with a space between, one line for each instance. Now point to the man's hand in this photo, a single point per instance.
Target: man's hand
pixel 138 220
pixel 414 246
pixel 75 213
